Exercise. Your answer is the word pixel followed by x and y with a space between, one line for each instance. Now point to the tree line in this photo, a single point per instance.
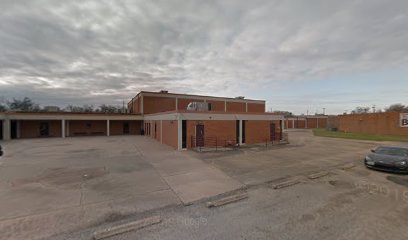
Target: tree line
pixel 28 105
pixel 398 107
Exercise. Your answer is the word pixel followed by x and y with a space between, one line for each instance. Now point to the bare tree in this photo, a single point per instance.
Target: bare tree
pixel 109 109
pixel 359 110
pixel 26 104
pixel 398 107
pixel 3 108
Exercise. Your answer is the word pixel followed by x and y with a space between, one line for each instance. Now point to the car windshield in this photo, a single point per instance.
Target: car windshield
pixel 392 151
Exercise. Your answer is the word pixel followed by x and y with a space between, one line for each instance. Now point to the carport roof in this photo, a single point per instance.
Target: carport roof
pixel 212 115
pixel 68 116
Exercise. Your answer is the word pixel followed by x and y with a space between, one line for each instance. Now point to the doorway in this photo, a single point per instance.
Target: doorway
pixel 44 129
pixel 126 129
pixel 237 131
pixel 200 135
pixel 184 134
pixel 13 129
pixel 272 132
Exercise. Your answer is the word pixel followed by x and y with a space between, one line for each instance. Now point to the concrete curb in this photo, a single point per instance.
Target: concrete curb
pixel 227 200
pixel 318 175
pixel 126 227
pixel 286 184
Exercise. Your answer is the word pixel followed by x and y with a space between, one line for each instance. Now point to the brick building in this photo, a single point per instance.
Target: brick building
pixel 161 115
pixel 311 121
pixel 228 121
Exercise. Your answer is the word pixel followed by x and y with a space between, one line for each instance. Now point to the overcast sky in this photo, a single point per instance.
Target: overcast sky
pixel 297 55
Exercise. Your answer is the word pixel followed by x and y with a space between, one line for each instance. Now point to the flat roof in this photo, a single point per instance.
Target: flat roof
pixel 213 112
pixel 197 96
pixel 69 113
pixel 68 116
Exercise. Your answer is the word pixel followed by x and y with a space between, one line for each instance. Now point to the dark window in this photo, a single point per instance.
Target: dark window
pixel 209 106
pixel 88 124
pixel 126 129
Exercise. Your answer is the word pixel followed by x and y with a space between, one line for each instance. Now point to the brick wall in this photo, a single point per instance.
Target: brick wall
pixel 158 104
pixel 116 127
pixel 86 128
pixel 256 131
pixel 300 124
pixel 372 123
pixel 217 105
pixel 322 122
pixel 170 133
pixel 220 130
pixel 31 128
pixel 259 131
pixel 311 122
pixel 256 107
pixel 236 107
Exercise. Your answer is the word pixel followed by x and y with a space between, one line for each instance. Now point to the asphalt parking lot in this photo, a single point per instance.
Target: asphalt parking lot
pixel 79 185
pixel 350 202
pixel 78 182
pixel 305 154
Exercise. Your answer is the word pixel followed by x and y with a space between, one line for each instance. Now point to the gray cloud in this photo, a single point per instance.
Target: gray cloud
pixel 81 52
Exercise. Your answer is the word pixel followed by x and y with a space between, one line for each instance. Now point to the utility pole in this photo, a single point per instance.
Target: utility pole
pixel 373 108
pixel 324 111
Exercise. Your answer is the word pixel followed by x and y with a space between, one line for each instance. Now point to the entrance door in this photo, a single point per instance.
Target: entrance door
pixel 126 128
pixel 184 134
pixel 44 129
pixel 237 131
pixel 243 131
pixel 13 129
pixel 272 132
pixel 200 135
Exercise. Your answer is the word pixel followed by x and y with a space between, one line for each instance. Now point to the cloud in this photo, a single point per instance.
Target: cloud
pixel 81 52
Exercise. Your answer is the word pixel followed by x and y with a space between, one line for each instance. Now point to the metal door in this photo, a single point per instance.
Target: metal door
pixel 200 135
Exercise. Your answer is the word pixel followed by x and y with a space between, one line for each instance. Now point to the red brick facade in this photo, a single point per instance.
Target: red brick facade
pixel 158 104
pixel 162 102
pixel 170 131
pixel 236 107
pixel 31 128
pixel 86 128
pixel 117 127
pixel 259 131
pixel 371 123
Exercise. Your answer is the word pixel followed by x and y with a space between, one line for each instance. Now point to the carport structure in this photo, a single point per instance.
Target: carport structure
pixel 312 121
pixel 16 125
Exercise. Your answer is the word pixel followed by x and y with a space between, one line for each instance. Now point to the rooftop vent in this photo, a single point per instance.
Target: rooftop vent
pixel 240 97
pixel 164 91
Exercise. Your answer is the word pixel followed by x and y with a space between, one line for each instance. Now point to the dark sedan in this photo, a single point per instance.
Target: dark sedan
pixel 390 159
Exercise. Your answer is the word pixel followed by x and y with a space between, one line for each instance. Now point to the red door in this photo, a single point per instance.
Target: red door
pixel 200 136
pixel 272 132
